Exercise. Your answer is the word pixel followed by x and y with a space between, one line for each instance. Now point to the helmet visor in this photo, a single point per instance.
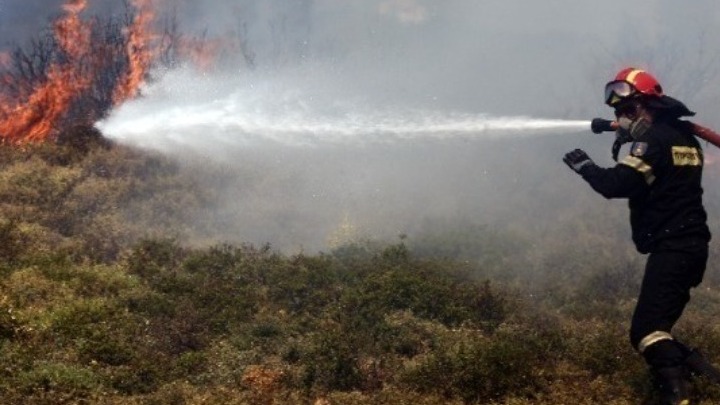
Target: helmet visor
pixel 616 91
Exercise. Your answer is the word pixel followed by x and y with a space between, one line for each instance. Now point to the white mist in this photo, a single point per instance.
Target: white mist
pixel 185 109
pixel 314 164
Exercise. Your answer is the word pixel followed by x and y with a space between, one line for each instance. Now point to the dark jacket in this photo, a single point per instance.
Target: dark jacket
pixel 661 177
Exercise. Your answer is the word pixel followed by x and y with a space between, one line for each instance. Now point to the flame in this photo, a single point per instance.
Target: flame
pixel 202 53
pixel 73 34
pixel 4 59
pixel 35 112
pixel 140 53
pixel 35 119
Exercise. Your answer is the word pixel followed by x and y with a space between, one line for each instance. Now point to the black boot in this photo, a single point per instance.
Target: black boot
pixel 673 384
pixel 698 365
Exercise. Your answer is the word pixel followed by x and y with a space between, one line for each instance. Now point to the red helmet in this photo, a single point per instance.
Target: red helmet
pixel 631 82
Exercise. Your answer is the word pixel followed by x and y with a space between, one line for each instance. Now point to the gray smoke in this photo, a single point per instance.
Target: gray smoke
pixel 322 65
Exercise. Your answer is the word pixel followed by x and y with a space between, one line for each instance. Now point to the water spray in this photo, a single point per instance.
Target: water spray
pixel 295 108
pixel 232 125
pixel 600 125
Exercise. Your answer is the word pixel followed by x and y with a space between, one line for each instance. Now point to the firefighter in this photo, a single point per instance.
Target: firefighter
pixel 661 178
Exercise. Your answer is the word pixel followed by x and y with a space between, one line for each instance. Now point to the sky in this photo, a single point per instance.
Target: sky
pixel 328 58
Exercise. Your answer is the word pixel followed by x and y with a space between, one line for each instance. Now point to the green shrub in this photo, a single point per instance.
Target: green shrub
pixel 12 242
pixel 409 336
pixel 478 369
pixel 431 290
pixel 304 285
pixel 332 362
pixel 224 363
pixel 98 331
pixel 80 317
pixel 9 324
pixel 151 257
pixel 140 378
pixel 32 293
pixel 68 381
pixel 147 302
pixel 192 363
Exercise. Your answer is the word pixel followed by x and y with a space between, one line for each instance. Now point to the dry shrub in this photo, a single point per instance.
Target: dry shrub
pixel 263 382
pixel 602 348
pixel 388 396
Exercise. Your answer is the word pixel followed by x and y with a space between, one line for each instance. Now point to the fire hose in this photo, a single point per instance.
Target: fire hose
pixel 600 125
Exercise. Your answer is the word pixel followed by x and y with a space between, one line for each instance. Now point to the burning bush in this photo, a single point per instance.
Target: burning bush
pixel 73 73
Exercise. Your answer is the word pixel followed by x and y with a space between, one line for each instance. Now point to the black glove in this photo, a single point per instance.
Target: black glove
pixel 577 159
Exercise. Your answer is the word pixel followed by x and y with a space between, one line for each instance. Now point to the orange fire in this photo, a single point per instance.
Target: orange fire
pixel 4 58
pixel 72 33
pixel 202 53
pixel 34 119
pixel 139 50
pixel 38 110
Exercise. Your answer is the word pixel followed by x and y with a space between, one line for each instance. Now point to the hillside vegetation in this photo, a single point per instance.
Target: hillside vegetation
pixel 107 297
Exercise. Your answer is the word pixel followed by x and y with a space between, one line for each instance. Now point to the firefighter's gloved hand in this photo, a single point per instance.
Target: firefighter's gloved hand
pixel 634 128
pixel 577 159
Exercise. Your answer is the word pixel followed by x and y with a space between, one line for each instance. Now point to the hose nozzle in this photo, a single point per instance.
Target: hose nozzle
pixel 600 125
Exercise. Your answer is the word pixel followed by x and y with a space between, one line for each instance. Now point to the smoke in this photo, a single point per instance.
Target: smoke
pixel 230 112
pixel 545 59
pixel 371 117
pixel 317 165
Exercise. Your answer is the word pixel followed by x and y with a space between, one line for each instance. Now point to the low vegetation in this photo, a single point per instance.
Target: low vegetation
pixel 103 300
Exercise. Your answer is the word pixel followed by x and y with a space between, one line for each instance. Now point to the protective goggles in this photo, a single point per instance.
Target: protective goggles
pixel 617 91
